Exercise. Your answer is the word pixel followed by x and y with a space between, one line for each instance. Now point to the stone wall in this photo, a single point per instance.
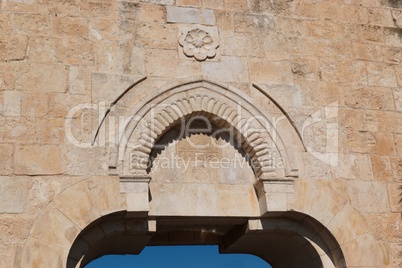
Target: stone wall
pixel 332 66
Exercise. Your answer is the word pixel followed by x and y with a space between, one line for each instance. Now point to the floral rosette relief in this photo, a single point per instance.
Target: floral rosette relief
pixel 198 43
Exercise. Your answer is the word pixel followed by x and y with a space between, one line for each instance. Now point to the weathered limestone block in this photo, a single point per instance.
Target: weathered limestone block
pixel 398 99
pixel 352 118
pixel 213 4
pixel 17 129
pixel 397 17
pixel 42 50
pixel 382 17
pixel 367 52
pixel 229 69
pixel 39 253
pixel 106 194
pixel 60 104
pixel 369 197
pixel 75 51
pixel 191 3
pixel 196 199
pixel 34 105
pixel 14 195
pixel 79 80
pixel 7 76
pixel 6 24
pixel 100 28
pixel 77 196
pixel 353 167
pixel 394 195
pixel 260 24
pixel 172 66
pixel 372 34
pixel 398 70
pixel 314 168
pixel 385 143
pixel 38 160
pixel 54 228
pixel 392 55
pixel 136 189
pixel 328 201
pixel 6 159
pixel 359 141
pixel 305 69
pixel 274 195
pixel 32 24
pixel 12 103
pixel 70 26
pixel 43 189
pixel 380 74
pixel 381 168
pixel 396 258
pixel 23 6
pixel 398 143
pixel 390 121
pixel 237 44
pixel 8 252
pixel 156 35
pixel 59 7
pixel 95 8
pixel 190 15
pixel 323 29
pixel 393 37
pixel 15 228
pixel 123 57
pixel 77 150
pixel 159 2
pixel 108 87
pixel 342 71
pixel 271 72
pixel 357 252
pixel 396 166
pixel 324 205
pixel 151 13
pixel 13 47
pixel 348 225
pixel 385 227
pixel 379 98
pixel 41 78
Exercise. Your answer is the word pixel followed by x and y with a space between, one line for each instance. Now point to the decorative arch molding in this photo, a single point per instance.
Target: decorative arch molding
pixel 219 113
pixel 266 140
pixel 218 100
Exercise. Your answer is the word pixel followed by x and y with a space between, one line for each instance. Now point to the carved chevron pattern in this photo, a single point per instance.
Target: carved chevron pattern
pixel 251 139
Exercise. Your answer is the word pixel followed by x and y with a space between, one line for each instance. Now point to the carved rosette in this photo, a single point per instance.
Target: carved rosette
pixel 198 43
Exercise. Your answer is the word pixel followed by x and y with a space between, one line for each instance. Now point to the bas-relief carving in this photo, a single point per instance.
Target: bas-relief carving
pixel 198 43
pixel 201 158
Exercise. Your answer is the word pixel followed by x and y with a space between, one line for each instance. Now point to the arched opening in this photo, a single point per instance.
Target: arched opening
pixel 180 257
pixel 283 240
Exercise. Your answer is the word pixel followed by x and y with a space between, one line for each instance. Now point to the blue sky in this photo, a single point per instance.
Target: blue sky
pixel 180 257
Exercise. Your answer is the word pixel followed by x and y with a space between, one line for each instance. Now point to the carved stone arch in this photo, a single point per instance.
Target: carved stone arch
pixel 187 100
pixel 259 136
pixel 250 139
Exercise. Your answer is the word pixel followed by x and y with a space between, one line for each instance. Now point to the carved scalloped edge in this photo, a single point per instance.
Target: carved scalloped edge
pixel 252 142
